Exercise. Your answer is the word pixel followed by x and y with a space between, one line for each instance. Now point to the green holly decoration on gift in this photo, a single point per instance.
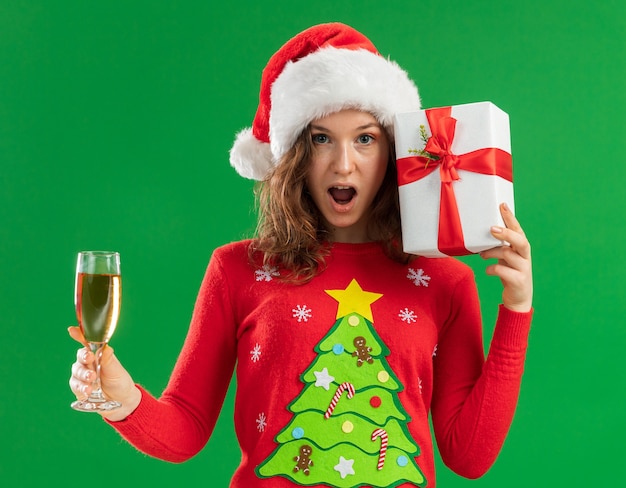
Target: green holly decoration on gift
pixel 349 429
pixel 422 152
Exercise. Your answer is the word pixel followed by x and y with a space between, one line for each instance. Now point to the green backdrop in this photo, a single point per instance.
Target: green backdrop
pixel 115 123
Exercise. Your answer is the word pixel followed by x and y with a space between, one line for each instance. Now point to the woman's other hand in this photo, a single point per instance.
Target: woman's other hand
pixel 514 266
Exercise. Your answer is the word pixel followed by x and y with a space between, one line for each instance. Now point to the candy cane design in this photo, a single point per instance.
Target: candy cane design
pixel 384 440
pixel 349 387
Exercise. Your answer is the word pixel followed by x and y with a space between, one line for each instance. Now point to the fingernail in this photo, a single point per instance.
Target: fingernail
pixel 506 207
pixel 87 375
pixel 496 230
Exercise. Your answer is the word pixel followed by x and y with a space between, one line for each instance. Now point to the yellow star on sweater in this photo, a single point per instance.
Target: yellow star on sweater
pixel 354 300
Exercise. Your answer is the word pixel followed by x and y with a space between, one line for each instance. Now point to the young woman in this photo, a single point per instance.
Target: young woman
pixel 343 344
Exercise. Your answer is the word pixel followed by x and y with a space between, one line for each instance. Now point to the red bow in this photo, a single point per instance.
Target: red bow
pixel 487 161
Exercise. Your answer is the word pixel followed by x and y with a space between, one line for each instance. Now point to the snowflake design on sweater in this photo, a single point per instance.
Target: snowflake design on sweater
pixel 261 422
pixel 407 316
pixel 255 354
pixel 302 313
pixel 267 273
pixel 418 277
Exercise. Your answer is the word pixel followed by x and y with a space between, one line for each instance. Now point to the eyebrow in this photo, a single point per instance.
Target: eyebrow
pixel 361 127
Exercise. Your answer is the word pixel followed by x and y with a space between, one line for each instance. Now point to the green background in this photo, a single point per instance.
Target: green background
pixel 115 123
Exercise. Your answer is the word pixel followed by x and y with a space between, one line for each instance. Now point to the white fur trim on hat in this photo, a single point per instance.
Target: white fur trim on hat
pixel 330 80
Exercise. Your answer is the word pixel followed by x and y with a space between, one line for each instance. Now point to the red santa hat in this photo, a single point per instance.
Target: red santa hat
pixel 322 70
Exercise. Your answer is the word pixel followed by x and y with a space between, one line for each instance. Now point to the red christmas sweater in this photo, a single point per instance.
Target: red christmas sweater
pixel 336 377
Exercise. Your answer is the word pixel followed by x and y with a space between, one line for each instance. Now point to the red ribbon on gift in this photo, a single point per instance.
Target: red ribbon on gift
pixel 487 161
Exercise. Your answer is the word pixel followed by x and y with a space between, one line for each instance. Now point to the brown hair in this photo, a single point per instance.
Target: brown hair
pixel 290 231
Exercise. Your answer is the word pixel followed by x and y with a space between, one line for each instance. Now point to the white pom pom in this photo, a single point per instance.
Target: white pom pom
pixel 250 157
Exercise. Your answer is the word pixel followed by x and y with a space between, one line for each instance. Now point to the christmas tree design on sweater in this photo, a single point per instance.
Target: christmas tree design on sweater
pixel 349 429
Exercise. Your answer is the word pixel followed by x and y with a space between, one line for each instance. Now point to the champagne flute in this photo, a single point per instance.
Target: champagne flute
pixel 98 296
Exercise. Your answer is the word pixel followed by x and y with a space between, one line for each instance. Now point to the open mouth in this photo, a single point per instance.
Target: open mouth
pixel 342 195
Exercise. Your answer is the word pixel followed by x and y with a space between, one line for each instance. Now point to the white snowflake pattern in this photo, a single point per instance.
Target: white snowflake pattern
pixel 435 350
pixel 407 316
pixel 266 273
pixel 261 422
pixel 419 384
pixel 418 277
pixel 255 354
pixel 301 312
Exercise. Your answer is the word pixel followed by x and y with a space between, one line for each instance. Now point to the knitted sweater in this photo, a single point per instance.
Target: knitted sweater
pixel 336 377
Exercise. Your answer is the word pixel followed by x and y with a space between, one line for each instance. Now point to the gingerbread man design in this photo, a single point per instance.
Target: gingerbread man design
pixel 362 352
pixel 303 460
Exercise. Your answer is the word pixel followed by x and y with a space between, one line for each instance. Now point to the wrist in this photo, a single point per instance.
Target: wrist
pixel 520 308
pixel 129 405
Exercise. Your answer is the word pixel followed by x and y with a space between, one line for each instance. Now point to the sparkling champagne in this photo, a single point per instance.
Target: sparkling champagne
pixel 98 301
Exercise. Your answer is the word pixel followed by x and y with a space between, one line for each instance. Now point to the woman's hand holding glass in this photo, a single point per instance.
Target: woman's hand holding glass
pixel 115 381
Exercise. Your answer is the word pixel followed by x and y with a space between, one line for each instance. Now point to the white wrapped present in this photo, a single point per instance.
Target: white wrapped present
pixel 454 170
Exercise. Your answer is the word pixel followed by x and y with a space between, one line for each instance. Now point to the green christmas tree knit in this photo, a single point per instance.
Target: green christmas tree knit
pixel 349 429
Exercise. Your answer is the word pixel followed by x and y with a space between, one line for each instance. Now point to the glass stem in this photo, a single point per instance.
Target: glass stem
pixel 96 394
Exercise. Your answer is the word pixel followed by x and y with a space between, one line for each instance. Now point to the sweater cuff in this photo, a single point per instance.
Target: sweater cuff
pixel 507 352
pixel 139 416
pixel 512 328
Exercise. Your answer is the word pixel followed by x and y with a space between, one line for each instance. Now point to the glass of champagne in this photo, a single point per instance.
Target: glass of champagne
pixel 98 297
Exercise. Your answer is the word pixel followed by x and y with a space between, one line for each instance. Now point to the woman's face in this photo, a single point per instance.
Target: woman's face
pixel 348 164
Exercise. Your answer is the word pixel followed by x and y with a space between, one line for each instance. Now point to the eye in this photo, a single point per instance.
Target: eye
pixel 365 139
pixel 319 138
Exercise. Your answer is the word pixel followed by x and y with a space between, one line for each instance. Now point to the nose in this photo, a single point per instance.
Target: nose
pixel 344 160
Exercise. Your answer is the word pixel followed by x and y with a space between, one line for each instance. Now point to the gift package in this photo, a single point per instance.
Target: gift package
pixel 454 170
